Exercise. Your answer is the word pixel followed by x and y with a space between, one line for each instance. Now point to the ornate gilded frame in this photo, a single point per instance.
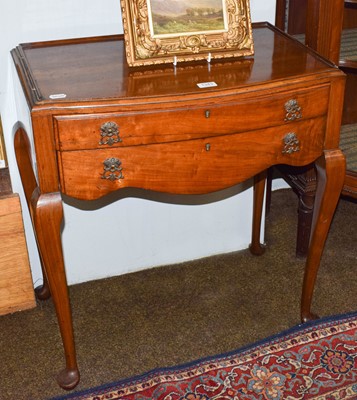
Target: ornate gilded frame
pixel 143 47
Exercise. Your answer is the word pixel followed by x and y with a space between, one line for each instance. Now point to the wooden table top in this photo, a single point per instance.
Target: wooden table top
pixel 95 68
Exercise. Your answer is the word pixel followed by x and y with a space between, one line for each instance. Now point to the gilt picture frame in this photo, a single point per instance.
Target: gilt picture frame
pixel 175 31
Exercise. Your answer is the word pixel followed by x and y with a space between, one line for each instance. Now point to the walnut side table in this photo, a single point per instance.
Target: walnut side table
pixel 99 127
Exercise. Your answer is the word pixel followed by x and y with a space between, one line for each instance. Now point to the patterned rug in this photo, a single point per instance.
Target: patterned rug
pixel 316 360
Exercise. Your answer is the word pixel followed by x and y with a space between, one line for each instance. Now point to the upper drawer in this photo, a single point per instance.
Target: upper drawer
pixel 89 131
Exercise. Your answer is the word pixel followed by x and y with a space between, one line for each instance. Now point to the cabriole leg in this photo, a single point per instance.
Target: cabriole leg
pixel 330 177
pixel 29 183
pixel 48 215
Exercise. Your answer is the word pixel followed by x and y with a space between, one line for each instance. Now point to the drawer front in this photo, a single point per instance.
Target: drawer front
pixel 86 131
pixel 189 167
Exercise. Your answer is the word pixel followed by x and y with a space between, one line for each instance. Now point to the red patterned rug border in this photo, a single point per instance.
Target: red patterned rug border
pixel 301 334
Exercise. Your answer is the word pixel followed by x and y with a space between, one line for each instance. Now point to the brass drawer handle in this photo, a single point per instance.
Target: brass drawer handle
pixel 291 143
pixel 112 169
pixel 109 133
pixel 293 110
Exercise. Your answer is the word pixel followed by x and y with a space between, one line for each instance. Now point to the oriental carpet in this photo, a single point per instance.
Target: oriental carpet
pixel 316 360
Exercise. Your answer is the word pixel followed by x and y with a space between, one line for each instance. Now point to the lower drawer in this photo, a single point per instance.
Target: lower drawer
pixel 192 166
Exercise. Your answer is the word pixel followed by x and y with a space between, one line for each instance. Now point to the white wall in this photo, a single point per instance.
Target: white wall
pixel 132 233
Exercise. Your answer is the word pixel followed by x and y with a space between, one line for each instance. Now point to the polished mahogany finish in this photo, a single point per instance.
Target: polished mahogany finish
pixel 290 16
pixel 323 22
pixel 99 126
pixel 324 19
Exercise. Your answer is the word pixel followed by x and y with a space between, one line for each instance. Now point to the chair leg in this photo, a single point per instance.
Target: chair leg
pixel 305 212
pixel 269 183
pixel 303 181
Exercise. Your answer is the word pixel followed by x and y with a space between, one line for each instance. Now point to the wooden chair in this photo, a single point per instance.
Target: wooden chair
pixel 330 28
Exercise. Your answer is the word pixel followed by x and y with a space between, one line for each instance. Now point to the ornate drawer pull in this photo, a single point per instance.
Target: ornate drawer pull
pixel 291 143
pixel 112 169
pixel 109 133
pixel 293 110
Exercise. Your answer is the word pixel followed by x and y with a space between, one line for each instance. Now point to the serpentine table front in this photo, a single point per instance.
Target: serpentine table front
pixel 99 126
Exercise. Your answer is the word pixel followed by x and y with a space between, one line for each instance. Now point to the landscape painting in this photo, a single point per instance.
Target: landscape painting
pixel 172 17
pixel 176 31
